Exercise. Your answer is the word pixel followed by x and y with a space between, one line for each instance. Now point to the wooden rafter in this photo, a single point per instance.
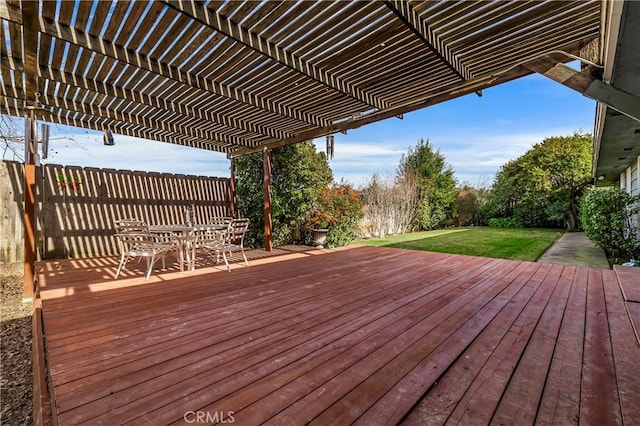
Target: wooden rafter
pixel 137 120
pixel 178 110
pixel 104 47
pixel 453 91
pixel 123 128
pixel 10 11
pixel 254 41
pixel 69 116
pixel 405 12
pixel 254 74
pixel 95 85
pixel 589 86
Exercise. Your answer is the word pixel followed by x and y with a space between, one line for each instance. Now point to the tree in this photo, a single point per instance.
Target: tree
pixel 298 176
pixel 11 138
pixel 435 181
pixel 606 219
pixel 391 204
pixel 470 201
pixel 543 186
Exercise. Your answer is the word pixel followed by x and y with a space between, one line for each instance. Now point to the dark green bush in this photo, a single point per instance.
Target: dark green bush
pixel 606 219
pixel 504 222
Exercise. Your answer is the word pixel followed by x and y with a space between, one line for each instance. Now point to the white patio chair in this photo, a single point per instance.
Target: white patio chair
pixel 220 221
pixel 212 239
pixel 225 241
pixel 234 240
pixel 135 240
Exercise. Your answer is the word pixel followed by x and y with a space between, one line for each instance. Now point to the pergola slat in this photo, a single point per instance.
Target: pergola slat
pixel 75 119
pixel 271 50
pixel 422 29
pixel 124 55
pixel 252 74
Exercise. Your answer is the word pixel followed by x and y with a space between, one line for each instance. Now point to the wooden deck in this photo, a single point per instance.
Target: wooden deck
pixel 359 335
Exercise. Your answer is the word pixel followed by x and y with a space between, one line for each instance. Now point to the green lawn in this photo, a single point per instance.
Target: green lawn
pixel 517 244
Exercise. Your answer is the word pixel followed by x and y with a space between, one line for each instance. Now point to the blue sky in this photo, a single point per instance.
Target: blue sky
pixel 476 135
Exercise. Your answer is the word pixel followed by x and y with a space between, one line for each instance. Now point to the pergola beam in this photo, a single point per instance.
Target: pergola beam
pixel 266 181
pixel 135 59
pixel 179 111
pixel 119 127
pixel 455 90
pixel 53 74
pixel 222 24
pixel 407 14
pixel 134 119
pixel 589 86
pixel 162 103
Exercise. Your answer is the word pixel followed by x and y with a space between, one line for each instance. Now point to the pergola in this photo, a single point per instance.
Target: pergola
pixel 244 77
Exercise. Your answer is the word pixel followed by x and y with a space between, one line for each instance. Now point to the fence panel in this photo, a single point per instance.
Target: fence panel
pixel 77 207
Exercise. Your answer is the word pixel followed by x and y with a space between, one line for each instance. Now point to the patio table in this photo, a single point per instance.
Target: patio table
pixel 183 234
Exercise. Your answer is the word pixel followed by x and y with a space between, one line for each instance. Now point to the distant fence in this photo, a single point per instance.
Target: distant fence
pixel 76 207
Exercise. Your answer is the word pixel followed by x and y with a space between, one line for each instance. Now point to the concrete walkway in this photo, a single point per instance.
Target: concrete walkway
pixel 574 248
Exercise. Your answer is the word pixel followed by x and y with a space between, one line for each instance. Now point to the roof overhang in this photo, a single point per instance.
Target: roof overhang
pixel 616 135
pixel 236 77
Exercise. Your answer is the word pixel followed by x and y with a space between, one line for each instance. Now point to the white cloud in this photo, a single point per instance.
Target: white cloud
pixel 475 154
pixel 131 153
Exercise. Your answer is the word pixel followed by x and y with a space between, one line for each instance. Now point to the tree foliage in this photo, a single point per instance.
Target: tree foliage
pixel 435 181
pixel 543 186
pixel 470 201
pixel 606 219
pixel 299 174
pixel 338 208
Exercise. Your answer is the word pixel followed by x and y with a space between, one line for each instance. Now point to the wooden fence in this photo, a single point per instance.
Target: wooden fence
pixel 76 207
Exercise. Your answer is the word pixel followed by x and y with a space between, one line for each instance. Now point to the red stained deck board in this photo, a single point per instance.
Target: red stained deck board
pixel 120 375
pixel 629 278
pixel 165 388
pixel 205 314
pixel 634 313
pixel 374 335
pixel 328 373
pixel 483 395
pixel 599 393
pixel 440 400
pixel 560 402
pixel 625 350
pixel 520 400
pixel 335 345
pixel 390 390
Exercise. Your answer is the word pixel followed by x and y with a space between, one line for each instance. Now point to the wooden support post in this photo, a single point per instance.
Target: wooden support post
pixel 266 179
pixel 29 207
pixel 233 201
pixel 30 34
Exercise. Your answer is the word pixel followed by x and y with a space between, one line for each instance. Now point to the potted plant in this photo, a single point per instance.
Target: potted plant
pixel 319 224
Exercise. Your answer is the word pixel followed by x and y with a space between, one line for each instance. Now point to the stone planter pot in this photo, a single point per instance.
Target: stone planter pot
pixel 319 237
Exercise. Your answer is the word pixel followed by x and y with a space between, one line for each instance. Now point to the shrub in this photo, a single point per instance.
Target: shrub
pixel 298 175
pixel 606 220
pixel 391 205
pixel 504 222
pixel 339 208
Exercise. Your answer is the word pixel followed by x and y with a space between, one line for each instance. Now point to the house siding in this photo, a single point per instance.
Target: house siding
pixel 630 182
